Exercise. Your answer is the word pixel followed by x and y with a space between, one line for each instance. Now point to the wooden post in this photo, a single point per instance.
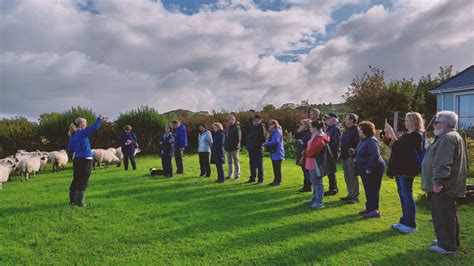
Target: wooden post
pixel 395 122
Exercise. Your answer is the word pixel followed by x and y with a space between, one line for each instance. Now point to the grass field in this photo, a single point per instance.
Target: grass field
pixel 137 219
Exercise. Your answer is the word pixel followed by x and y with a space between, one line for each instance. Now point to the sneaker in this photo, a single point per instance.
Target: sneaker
pixel 352 201
pixel 259 183
pixel 236 179
pixel 397 225
pixel 440 250
pixel 372 214
pixel 406 229
pixel 331 192
pixel 363 212
pixel 317 205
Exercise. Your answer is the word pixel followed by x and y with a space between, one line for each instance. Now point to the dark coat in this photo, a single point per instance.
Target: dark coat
pixel 404 156
pixel 129 149
pixel 368 155
pixel 349 140
pixel 256 138
pixel 217 150
pixel 302 139
pixel 167 145
pixel 233 138
pixel 334 134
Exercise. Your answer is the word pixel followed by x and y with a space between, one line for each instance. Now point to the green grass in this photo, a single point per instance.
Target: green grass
pixel 137 219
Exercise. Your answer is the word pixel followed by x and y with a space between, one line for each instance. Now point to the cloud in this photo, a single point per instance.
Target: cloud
pixel 128 53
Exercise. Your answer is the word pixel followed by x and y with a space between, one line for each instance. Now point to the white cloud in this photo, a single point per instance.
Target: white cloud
pixel 54 55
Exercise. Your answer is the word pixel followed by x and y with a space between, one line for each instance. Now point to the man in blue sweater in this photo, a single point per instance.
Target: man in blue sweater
pixel 181 142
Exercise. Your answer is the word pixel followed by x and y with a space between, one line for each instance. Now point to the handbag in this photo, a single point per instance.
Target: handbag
pixel 271 149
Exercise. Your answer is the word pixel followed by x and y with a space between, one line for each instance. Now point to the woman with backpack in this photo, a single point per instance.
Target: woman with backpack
pixel 404 164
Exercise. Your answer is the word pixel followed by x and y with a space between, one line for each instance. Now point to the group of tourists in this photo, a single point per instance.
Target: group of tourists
pixel 443 164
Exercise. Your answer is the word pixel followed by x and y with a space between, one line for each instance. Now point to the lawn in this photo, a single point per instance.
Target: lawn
pixel 137 219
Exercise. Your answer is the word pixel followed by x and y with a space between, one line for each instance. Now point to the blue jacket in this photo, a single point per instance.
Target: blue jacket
pixel 123 139
pixel 217 153
pixel 181 138
pixel 167 145
pixel 368 155
pixel 79 142
pixel 204 141
pixel 276 138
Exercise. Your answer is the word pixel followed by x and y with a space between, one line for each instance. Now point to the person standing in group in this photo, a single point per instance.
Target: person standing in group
pixel 371 167
pixel 232 147
pixel 303 135
pixel 314 164
pixel 82 157
pixel 444 172
pixel 204 148
pixel 255 140
pixel 181 142
pixel 167 151
pixel 404 164
pixel 275 146
pixel 217 150
pixel 349 141
pixel 314 114
pixel 128 142
pixel 334 134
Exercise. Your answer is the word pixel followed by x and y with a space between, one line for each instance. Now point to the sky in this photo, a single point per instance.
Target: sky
pixel 113 56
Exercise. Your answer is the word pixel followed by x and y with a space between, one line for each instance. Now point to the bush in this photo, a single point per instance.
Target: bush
pixel 18 133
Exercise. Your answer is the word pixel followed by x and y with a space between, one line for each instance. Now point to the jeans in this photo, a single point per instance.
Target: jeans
pixel 256 164
pixel 233 162
pixel 167 166
pixel 130 156
pixel 318 187
pixel 351 178
pixel 82 169
pixel 276 171
pixel 372 183
pixel 405 191
pixel 445 221
pixel 178 157
pixel 204 164
pixel 220 172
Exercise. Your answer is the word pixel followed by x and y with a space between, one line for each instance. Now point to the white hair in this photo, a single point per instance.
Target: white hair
pixel 450 117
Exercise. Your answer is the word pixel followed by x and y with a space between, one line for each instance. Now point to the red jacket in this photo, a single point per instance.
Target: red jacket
pixel 317 145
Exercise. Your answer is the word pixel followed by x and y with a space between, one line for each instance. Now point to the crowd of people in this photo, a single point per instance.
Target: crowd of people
pixel 442 164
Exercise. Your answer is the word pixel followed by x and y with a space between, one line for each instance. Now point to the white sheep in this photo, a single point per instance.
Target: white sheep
pixel 6 168
pixel 118 152
pixel 104 156
pixel 58 159
pixel 31 165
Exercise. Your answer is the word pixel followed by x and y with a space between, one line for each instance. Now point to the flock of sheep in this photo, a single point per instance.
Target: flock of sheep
pixel 27 164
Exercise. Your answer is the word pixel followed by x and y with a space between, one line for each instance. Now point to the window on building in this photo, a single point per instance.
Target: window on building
pixel 466 111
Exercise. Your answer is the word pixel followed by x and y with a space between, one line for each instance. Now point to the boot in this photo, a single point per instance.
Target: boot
pixel 79 199
pixel 71 197
pixel 306 187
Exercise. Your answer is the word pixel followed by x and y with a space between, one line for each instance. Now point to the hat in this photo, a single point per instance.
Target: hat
pixel 257 117
pixel 332 114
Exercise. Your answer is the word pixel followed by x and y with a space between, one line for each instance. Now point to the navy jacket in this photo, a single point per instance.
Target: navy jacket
pixel 349 140
pixel 256 138
pixel 217 150
pixel 302 139
pixel 167 145
pixel 181 137
pixel 368 155
pixel 79 142
pixel 123 139
pixel 334 134
pixel 404 156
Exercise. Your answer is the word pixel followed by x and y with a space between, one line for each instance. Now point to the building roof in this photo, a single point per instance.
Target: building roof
pixel 460 81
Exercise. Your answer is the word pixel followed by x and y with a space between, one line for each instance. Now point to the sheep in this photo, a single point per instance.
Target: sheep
pixel 118 152
pixel 59 159
pixel 6 168
pixel 104 156
pixel 31 165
